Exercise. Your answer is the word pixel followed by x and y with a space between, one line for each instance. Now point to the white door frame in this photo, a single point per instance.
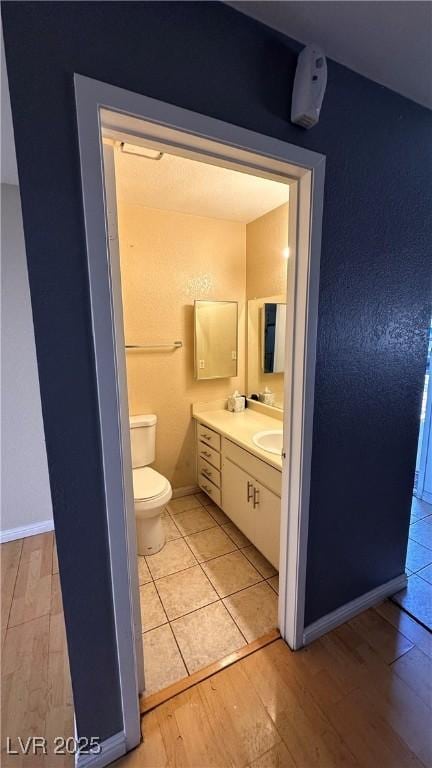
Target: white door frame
pixel 101 106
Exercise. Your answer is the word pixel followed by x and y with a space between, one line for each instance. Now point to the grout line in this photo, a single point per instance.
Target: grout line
pixel 173 573
pixel 209 528
pixel 219 599
pixel 411 615
pixel 234 621
pixel 180 652
pixel 194 610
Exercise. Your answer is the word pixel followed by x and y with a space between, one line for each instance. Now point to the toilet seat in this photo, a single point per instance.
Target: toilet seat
pixel 151 489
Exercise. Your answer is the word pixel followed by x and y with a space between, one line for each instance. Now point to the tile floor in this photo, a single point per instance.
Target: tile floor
pixel 416 598
pixel 207 593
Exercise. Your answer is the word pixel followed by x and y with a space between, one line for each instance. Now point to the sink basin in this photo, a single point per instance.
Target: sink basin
pixel 269 440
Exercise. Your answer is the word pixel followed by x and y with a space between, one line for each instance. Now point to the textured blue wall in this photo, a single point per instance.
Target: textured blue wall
pixel 375 287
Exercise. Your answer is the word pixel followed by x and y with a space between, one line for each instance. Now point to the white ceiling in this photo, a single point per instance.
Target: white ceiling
pixel 188 186
pixel 389 42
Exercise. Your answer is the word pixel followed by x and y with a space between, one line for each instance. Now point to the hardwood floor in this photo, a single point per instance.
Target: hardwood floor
pixel 36 693
pixel 358 698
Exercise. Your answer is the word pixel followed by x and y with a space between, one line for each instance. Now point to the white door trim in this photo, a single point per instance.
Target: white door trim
pixel 118 110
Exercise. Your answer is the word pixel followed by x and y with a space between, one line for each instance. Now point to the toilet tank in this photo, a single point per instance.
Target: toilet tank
pixel 143 439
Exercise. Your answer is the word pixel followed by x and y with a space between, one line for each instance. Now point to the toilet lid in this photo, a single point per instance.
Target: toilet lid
pixel 148 483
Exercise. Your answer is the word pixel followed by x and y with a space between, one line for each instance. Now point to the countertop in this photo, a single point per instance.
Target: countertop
pixel 240 428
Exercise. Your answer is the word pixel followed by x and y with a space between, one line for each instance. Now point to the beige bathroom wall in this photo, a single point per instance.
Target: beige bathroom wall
pixel 168 259
pixel 266 280
pixel 266 267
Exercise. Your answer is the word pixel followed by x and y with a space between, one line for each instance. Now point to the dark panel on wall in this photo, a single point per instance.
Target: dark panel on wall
pixel 374 291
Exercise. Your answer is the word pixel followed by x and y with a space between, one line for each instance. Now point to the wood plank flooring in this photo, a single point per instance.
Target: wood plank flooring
pixel 36 692
pixel 357 698
pixel 360 697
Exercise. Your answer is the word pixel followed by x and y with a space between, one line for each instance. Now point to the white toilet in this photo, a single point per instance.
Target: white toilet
pixel 152 491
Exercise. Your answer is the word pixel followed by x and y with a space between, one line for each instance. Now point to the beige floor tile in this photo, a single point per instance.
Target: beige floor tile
pixel 184 592
pixel 143 572
pixel 163 664
pixel 194 520
pixel 175 556
pixel 274 583
pixel 230 573
pixel 261 564
pixel 236 535
pixel 170 528
pixel 211 543
pixel 217 513
pixel 182 504
pixel 203 498
pixel 206 635
pixel 152 612
pixel 254 610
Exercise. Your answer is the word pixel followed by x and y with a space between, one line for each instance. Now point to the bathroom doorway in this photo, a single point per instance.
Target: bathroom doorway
pixel 204 265
pixel 162 129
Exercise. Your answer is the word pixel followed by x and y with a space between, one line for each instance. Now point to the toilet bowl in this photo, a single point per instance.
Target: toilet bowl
pixel 152 490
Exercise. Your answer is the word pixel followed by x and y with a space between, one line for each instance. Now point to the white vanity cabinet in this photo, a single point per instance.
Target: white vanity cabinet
pixel 237 498
pixel 209 462
pixel 248 489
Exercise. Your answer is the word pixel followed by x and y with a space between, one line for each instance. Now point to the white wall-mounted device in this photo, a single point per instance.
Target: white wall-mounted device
pixel 309 86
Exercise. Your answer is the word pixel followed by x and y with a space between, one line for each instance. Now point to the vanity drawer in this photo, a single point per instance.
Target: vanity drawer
pixel 209 454
pixel 209 489
pixel 269 476
pixel 209 436
pixel 206 469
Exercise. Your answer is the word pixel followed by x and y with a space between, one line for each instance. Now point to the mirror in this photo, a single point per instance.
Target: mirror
pixel 266 369
pixel 273 346
pixel 216 339
pixel 267 270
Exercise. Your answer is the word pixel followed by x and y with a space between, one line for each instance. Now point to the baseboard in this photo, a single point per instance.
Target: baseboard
pixel 349 610
pixel 187 490
pixel 10 534
pixel 111 749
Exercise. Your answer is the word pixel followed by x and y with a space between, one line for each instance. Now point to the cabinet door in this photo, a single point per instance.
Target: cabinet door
pixel 237 492
pixel 267 523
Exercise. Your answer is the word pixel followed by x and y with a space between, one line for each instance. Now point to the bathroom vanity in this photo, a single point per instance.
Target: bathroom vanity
pixel 239 476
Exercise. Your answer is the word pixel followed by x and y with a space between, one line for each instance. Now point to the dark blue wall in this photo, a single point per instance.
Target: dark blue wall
pixel 375 287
